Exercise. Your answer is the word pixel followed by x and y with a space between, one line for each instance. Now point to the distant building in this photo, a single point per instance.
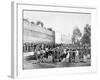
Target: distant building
pixel 61 38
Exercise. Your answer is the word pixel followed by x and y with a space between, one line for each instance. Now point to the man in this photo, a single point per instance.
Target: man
pixel 42 52
pixel 67 56
pixel 77 56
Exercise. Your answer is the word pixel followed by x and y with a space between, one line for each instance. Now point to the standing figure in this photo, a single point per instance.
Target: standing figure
pixel 67 56
pixel 77 56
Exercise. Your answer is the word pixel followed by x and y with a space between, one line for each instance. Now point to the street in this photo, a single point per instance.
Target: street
pixel 30 65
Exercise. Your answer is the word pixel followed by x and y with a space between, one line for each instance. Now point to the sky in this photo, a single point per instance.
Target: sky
pixel 61 22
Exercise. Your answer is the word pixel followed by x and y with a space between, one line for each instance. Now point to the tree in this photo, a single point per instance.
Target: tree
pixel 50 29
pixel 32 22
pixel 76 36
pixel 26 20
pixel 40 23
pixel 86 38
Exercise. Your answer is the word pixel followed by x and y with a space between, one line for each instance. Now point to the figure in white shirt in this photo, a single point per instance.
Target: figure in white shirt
pixel 67 57
pixel 77 56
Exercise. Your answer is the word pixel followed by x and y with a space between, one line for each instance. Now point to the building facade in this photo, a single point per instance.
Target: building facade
pixel 36 34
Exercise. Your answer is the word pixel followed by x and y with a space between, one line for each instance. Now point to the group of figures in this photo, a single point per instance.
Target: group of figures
pixel 59 53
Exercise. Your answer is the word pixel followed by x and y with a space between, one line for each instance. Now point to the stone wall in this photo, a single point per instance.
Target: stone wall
pixel 37 34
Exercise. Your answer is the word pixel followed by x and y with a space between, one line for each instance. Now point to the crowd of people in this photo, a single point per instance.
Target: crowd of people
pixel 60 53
